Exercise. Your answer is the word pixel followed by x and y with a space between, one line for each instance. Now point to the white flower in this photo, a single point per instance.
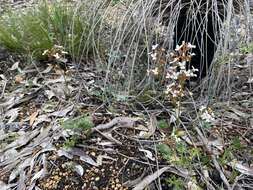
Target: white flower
pixel 207 117
pixel 169 88
pixel 154 47
pixel 64 52
pixel 189 45
pixel 57 56
pixel 189 73
pixel 202 108
pixel 175 93
pixel 58 47
pixel 154 71
pixel 174 60
pixel 206 114
pixel 179 47
pixel 172 75
pixel 45 52
pixel 153 55
pixel 194 70
pixel 182 65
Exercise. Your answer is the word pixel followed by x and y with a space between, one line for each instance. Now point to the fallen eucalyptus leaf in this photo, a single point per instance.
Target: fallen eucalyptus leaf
pixel 79 170
pixel 15 66
pixel 62 152
pixel 150 178
pixel 12 114
pixel 38 175
pixel 63 112
pixel 148 154
pixel 4 186
pixel 241 168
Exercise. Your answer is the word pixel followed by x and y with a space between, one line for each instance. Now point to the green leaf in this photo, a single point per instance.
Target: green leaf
pixel 165 150
pixel 81 123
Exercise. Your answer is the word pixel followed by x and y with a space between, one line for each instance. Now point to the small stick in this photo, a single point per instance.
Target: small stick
pixel 215 162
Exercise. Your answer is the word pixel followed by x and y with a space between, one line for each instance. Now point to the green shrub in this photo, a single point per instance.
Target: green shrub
pixel 36 29
pixel 71 142
pixel 246 48
pixel 80 128
pixel 163 124
pixel 80 123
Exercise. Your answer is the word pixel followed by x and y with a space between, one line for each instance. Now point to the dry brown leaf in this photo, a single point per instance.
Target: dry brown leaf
pixel 33 117
pixel 19 79
pixel 152 125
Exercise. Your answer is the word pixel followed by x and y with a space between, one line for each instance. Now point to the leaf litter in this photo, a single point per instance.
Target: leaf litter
pixel 121 149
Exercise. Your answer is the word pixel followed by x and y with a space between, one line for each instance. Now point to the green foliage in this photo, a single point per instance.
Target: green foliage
pixel 206 125
pixel 236 144
pixel 246 48
pixel 82 123
pixel 165 150
pixel 9 139
pixel 37 29
pixel 230 151
pixel 114 2
pixel 80 128
pixel 147 96
pixel 71 142
pixel 175 182
pixel 163 124
pixel 179 154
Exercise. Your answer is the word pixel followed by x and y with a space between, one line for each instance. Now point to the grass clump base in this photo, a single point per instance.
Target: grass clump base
pixel 39 28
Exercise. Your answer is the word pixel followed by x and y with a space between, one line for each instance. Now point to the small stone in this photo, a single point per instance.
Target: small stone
pixel 118 185
pixel 47 185
pixel 96 170
pixel 97 178
pixel 93 154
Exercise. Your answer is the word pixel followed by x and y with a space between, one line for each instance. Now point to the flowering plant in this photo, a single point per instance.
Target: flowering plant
pixel 56 53
pixel 176 71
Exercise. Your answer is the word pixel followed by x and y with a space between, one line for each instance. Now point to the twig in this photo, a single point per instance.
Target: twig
pixel 4 85
pixel 125 121
pixel 215 162
pixel 150 178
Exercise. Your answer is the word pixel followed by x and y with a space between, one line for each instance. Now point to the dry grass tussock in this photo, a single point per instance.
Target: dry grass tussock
pixel 141 24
